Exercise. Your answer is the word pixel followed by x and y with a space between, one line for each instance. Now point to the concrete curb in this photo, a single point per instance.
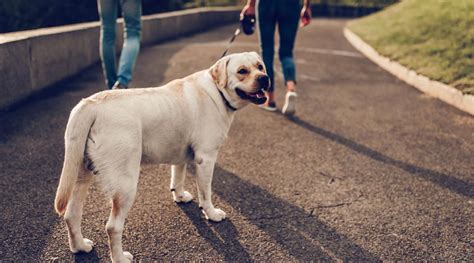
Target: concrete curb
pixel 33 60
pixel 433 88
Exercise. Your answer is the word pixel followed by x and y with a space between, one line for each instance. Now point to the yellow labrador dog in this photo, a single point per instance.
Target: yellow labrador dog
pixel 187 120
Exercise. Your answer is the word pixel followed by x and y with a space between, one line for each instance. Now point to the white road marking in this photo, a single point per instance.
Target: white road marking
pixel 307 77
pixel 329 52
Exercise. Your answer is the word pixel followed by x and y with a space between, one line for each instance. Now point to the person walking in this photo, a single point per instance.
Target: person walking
pixel 131 12
pixel 286 14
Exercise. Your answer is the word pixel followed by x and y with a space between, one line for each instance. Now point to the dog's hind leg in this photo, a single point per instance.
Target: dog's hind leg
pixel 73 215
pixel 204 173
pixel 122 200
pixel 178 175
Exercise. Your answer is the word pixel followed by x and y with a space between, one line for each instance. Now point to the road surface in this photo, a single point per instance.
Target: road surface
pixel 369 170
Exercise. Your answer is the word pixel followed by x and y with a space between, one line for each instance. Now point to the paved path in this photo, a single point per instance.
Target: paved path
pixel 370 170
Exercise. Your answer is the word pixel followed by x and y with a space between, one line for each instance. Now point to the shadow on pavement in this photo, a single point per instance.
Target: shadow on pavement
pixel 226 243
pixel 87 257
pixel 304 236
pixel 451 183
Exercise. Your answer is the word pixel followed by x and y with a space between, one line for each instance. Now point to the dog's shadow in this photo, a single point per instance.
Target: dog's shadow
pixel 222 236
pixel 303 236
pixel 86 257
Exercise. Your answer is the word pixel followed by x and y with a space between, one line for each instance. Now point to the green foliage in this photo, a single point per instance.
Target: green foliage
pixel 25 14
pixel 432 37
pixel 18 15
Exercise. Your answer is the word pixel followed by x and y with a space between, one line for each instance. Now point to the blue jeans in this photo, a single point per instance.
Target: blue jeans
pixel 131 12
pixel 286 14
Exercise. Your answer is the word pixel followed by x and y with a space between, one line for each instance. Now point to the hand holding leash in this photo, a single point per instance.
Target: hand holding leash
pixel 247 19
pixel 247 23
pixel 305 14
pixel 248 10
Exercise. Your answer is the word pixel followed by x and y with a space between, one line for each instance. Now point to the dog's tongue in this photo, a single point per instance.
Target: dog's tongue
pixel 258 98
pixel 258 94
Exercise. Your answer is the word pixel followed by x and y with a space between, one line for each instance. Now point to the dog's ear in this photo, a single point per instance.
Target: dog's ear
pixel 219 72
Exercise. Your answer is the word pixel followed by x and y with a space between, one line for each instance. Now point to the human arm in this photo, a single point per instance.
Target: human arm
pixel 305 13
pixel 249 9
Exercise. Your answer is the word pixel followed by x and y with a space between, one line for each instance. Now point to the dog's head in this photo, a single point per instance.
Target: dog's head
pixel 242 78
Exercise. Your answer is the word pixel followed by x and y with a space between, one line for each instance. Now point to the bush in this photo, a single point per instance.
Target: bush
pixel 18 15
pixel 23 14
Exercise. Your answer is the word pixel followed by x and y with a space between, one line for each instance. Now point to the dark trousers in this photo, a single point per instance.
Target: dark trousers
pixel 285 14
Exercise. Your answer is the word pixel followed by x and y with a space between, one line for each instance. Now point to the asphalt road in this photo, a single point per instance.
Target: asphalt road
pixel 370 169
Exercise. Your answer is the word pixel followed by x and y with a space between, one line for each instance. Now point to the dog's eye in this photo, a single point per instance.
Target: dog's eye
pixel 243 71
pixel 260 67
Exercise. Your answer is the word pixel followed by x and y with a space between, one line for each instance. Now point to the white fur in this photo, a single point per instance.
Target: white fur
pixel 185 120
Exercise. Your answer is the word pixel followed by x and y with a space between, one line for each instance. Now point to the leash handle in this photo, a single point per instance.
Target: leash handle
pixel 236 33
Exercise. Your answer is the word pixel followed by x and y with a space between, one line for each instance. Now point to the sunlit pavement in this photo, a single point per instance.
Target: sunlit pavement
pixel 369 170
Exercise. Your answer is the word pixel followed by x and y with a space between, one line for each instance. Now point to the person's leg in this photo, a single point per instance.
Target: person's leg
pixel 287 27
pixel 266 21
pixel 108 18
pixel 132 11
pixel 288 18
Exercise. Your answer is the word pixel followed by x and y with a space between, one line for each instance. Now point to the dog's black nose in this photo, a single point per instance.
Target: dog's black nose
pixel 263 82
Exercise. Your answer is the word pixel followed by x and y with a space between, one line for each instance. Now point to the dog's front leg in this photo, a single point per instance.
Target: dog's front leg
pixel 178 174
pixel 204 173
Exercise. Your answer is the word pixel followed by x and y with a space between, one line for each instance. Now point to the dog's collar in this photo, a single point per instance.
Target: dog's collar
pixel 227 103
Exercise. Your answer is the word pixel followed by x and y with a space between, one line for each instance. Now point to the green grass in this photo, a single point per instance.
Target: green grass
pixel 364 3
pixel 433 37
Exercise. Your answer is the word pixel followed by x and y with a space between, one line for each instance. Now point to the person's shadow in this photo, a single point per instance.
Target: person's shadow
pixel 451 183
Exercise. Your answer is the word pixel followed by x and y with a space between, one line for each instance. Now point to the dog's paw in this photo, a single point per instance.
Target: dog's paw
pixel 86 246
pixel 214 214
pixel 183 198
pixel 128 256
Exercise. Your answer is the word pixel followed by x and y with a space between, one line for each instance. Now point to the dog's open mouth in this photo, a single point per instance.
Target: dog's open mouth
pixel 256 97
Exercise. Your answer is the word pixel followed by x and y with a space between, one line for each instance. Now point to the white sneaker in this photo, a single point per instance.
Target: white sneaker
pixel 289 108
pixel 119 85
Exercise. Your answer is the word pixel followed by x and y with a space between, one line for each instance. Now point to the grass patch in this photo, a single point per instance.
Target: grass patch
pixel 356 3
pixel 433 37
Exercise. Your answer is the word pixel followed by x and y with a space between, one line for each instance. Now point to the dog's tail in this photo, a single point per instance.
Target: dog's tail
pixel 77 130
